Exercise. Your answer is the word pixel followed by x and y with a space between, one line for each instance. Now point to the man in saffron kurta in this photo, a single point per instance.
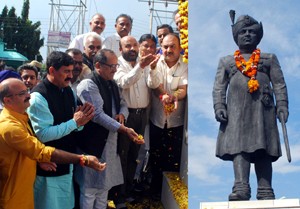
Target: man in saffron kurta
pixel 20 149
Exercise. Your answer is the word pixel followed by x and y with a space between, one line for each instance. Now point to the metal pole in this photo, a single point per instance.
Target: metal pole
pixel 151 16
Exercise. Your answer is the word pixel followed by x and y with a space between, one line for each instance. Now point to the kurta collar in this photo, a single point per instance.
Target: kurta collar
pixel 24 117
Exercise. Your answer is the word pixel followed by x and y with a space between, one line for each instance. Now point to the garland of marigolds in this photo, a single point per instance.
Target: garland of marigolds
pixel 183 12
pixel 248 68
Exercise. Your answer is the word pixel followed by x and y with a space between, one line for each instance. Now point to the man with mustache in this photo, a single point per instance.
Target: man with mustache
pixel 133 77
pixel 167 112
pixel 161 32
pixel 97 25
pixel 92 44
pixel 101 134
pixel 20 149
pixel 29 75
pixel 55 120
pixel 78 66
pixel 123 27
pixel 5 74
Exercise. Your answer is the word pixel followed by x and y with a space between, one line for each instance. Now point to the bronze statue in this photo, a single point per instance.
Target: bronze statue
pixel 249 93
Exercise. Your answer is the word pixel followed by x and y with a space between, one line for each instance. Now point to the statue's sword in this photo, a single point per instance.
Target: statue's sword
pixel 285 137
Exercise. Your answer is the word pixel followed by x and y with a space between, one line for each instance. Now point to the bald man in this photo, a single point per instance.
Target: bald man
pixel 97 25
pixel 132 76
pixel 20 149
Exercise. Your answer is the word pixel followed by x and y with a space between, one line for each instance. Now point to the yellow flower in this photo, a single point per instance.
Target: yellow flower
pixel 183 11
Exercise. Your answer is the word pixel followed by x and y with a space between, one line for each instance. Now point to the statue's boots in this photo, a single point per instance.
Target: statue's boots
pixel 241 189
pixel 263 170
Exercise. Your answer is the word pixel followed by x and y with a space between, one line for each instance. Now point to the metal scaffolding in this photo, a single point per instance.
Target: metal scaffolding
pixel 66 20
pixel 157 12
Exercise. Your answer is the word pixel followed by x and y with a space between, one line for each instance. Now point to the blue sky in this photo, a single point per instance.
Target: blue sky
pixel 210 37
pixel 211 179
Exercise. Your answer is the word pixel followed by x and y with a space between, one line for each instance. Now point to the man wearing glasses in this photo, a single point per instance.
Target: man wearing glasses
pixel 101 133
pixel 92 44
pixel 20 149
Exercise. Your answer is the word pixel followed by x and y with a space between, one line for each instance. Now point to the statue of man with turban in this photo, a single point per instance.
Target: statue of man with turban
pixel 249 94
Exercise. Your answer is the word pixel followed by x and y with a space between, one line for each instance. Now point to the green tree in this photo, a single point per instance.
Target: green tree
pixel 3 16
pixel 10 24
pixel 20 33
pixel 25 10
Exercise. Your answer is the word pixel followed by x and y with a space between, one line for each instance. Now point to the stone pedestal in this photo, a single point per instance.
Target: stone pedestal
pixel 184 150
pixel 167 197
pixel 174 192
pixel 263 204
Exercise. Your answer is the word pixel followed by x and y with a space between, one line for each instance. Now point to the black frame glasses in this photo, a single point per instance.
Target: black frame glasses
pixel 113 66
pixel 20 94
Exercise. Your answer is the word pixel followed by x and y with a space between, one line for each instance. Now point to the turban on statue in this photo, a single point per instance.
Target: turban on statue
pixel 245 21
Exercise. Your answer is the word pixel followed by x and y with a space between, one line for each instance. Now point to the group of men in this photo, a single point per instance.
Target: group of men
pixel 96 100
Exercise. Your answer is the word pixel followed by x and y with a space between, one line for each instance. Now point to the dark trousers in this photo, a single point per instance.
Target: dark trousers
pixel 165 153
pixel 129 151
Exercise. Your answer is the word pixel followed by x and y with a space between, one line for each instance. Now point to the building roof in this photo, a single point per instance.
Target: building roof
pixel 8 54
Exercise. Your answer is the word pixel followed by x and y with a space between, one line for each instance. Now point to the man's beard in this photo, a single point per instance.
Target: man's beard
pixel 128 57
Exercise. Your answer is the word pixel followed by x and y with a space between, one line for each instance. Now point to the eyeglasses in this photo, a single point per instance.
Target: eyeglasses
pixel 20 94
pixel 113 66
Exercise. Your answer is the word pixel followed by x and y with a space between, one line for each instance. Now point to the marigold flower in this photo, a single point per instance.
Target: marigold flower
pixel 183 11
pixel 248 68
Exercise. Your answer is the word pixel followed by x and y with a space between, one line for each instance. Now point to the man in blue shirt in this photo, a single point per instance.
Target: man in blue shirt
pixel 55 120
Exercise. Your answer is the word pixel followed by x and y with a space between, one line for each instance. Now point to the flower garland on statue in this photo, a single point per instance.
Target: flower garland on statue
pixel 248 68
pixel 183 12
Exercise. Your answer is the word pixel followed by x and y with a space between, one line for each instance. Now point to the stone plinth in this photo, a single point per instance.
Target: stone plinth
pixel 263 204
pixel 173 190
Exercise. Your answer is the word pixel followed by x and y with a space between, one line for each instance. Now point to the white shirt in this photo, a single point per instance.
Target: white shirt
pixel 77 42
pixel 112 42
pixel 171 78
pixel 134 82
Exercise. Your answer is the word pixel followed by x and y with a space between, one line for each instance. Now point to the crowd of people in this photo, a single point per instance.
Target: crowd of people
pixel 102 99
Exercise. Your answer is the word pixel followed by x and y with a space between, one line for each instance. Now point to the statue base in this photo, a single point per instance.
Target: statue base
pixel 174 192
pixel 265 204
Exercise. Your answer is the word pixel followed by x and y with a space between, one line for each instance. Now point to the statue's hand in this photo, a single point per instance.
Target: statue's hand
pixel 221 115
pixel 284 111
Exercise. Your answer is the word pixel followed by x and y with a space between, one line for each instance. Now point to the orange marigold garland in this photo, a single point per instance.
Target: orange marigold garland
pixel 248 68
pixel 183 11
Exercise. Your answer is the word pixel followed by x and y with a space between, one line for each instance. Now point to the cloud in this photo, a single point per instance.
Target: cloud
pixel 282 166
pixel 202 160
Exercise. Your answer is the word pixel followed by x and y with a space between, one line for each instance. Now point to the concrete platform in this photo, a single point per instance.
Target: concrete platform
pixel 265 204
